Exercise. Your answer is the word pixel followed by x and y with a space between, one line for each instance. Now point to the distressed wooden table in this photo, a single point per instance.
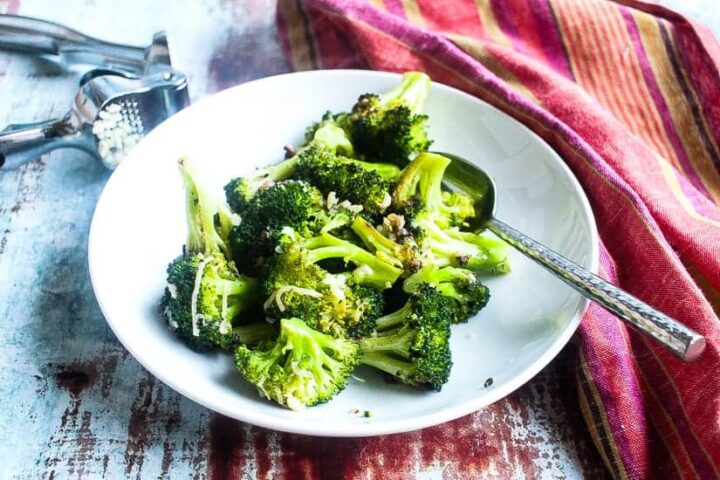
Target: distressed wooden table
pixel 75 404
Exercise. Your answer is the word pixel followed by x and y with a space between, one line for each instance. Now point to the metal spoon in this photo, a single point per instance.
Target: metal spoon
pixel 111 112
pixel 679 339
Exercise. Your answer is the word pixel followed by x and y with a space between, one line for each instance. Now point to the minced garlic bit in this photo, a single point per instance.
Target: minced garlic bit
pixel 224 327
pixel 172 288
pixel 350 207
pixel 394 226
pixel 363 270
pixel 117 128
pixel 170 319
pixel 337 285
pixel 331 201
pixel 288 231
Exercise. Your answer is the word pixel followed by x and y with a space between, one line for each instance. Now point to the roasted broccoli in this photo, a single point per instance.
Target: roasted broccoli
pixel 418 194
pixel 292 204
pixel 358 182
pixel 413 343
pixel 335 257
pixel 302 368
pixel 464 287
pixel 330 303
pixel 328 141
pixel 328 133
pixel 390 127
pixel 404 255
pixel 420 185
pixel 204 292
pixel 369 269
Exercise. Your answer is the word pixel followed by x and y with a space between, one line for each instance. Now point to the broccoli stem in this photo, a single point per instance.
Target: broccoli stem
pixel 387 171
pixel 372 238
pixel 254 333
pixel 446 249
pixel 493 256
pixel 283 170
pixel 388 364
pixel 334 138
pixel 441 278
pixel 371 269
pixel 393 319
pixel 308 343
pixel 426 171
pixel 412 90
pixel 201 211
pixel 246 287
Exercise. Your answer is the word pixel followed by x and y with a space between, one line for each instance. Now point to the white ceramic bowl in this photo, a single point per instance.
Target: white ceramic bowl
pixel 139 226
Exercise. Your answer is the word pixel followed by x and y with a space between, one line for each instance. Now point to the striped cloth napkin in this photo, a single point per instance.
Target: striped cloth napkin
pixel 628 93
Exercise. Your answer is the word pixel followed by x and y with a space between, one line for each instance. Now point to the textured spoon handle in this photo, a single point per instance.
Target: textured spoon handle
pixel 682 341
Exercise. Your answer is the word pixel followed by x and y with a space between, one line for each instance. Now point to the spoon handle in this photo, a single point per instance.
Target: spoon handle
pixel 679 339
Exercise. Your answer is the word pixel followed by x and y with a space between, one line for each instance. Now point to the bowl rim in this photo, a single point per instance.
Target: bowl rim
pixel 361 429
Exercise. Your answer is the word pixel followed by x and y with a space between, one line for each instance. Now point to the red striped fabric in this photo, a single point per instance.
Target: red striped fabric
pixel 627 92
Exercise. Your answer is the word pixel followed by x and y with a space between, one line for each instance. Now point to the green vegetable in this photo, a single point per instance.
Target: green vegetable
pixel 390 127
pixel 467 292
pixel 328 140
pixel 413 343
pixel 331 303
pixel 358 182
pixel 302 368
pixel 301 270
pixel 436 223
pixel 205 293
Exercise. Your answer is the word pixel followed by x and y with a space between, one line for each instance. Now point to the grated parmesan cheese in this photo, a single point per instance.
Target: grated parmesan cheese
pixel 196 291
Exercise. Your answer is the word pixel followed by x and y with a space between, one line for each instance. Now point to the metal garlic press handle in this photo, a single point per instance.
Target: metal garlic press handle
pixel 40 37
pixel 679 339
pixel 24 142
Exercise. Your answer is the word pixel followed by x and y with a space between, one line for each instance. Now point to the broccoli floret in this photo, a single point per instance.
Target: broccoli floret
pixel 331 303
pixel 435 217
pixel 451 247
pixel 463 286
pixel 330 135
pixel 204 294
pixel 358 182
pixel 209 220
pixel 336 309
pixel 390 127
pixel 413 344
pixel 240 191
pixel 302 368
pixel 291 204
pixel 328 138
pixel 404 255
pixel 420 183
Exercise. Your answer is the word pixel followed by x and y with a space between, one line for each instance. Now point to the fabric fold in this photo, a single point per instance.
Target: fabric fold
pixel 627 93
